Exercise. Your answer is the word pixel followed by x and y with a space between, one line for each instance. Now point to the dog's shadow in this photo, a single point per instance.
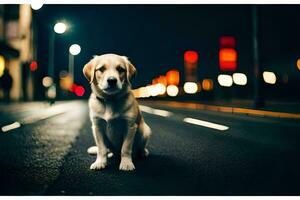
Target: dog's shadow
pixel 154 164
pixel 159 173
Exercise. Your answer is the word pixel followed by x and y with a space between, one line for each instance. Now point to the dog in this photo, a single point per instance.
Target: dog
pixel 117 123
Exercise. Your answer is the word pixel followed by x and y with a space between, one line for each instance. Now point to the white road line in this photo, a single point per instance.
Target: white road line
pixel 10 127
pixel 206 124
pixel 153 111
pixel 44 114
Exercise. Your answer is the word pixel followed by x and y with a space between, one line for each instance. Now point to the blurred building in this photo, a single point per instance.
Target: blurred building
pixel 17 50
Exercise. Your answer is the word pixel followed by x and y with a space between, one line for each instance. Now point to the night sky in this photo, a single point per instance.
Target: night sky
pixel 154 37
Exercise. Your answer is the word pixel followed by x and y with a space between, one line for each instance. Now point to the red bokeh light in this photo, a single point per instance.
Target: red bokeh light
pixel 227 42
pixel 191 56
pixel 73 87
pixel 79 91
pixel 228 59
pixel 33 66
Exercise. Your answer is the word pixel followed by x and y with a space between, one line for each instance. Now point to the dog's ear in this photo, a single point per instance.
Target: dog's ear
pixel 89 71
pixel 131 70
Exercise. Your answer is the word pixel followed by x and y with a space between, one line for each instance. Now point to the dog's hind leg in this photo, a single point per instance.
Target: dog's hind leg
pixel 145 132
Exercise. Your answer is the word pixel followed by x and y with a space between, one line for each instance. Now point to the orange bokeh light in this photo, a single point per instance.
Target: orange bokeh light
pixel 228 59
pixel 172 77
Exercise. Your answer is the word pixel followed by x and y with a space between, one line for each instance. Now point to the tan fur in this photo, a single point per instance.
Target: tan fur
pixel 117 122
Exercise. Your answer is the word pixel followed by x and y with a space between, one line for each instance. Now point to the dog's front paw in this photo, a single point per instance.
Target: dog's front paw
pixel 97 165
pixel 126 164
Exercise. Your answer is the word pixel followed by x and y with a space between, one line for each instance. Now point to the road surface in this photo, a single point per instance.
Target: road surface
pixel 193 152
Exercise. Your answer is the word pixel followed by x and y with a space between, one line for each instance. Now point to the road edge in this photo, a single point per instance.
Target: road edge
pixel 228 109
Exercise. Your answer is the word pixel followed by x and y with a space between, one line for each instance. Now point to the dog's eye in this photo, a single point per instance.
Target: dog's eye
pixel 120 69
pixel 102 69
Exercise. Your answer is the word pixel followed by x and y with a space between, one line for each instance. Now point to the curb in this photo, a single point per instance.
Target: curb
pixel 225 109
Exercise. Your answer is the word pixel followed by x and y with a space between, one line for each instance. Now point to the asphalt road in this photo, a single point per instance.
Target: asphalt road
pixel 47 155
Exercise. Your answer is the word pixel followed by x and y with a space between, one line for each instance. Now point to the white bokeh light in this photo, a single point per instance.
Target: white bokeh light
pixel 172 90
pixel 269 77
pixel 36 5
pixel 239 78
pixel 60 28
pixel 74 49
pixel 190 87
pixel 225 80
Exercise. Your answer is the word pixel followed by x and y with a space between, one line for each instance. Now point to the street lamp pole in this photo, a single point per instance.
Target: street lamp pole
pixel 59 28
pixel 71 66
pixel 258 85
pixel 73 51
pixel 51 55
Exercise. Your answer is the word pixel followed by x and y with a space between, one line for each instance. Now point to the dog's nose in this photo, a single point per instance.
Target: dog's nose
pixel 112 81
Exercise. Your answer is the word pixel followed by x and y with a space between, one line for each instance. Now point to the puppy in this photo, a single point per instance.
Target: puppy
pixel 117 123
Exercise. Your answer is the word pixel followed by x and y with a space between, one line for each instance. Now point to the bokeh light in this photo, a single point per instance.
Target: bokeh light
pixel 36 5
pixel 60 28
pixel 47 81
pixel 79 91
pixel 33 66
pixel 190 87
pixel 191 56
pixel 269 77
pixel 228 59
pixel 225 80
pixel 172 77
pixel 172 90
pixel 2 65
pixel 74 49
pixel 239 78
pixel 207 84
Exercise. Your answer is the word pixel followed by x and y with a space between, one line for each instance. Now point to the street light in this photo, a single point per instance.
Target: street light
pixel 73 51
pixel 59 28
pixel 36 5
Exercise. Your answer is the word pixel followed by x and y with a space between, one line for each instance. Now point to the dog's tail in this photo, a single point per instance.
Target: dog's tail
pixel 93 151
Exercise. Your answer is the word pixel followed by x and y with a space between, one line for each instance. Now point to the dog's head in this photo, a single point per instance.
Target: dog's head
pixel 109 72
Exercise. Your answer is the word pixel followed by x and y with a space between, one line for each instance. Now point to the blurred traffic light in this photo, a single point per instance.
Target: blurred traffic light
pixel 228 58
pixel 227 42
pixel 191 59
pixel 191 56
pixel 227 54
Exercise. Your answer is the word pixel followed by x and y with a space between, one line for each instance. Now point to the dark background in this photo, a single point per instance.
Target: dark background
pixel 155 37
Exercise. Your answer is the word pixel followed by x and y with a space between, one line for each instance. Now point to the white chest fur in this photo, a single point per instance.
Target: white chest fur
pixel 108 113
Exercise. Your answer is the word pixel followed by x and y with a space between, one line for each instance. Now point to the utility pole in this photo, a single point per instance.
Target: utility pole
pixel 259 101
